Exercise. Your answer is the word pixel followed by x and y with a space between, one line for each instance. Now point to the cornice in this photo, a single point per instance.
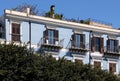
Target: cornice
pixel 21 16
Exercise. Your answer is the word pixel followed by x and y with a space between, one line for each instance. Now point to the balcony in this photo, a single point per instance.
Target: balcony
pixel 77 49
pixel 50 44
pixel 111 53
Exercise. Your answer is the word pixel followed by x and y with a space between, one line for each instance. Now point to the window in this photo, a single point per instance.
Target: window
pixel 97 64
pixel 97 44
pixel 15 32
pixel 79 61
pixel 51 36
pixel 112 45
pixel 78 40
pixel 112 67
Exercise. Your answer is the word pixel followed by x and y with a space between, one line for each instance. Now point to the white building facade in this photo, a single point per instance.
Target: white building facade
pixel 97 44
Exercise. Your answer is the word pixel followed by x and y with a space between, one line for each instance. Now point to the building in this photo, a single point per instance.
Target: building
pixel 94 43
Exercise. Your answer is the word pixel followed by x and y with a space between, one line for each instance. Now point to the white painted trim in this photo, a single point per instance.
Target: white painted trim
pixel 66 24
pixel 97 60
pixel 78 58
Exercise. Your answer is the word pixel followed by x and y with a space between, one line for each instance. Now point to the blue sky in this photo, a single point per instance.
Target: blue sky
pixel 104 10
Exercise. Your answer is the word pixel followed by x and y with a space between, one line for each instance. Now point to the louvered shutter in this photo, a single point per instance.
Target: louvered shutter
pixel 56 35
pixel 93 44
pixel 73 40
pixel 114 67
pixel 108 45
pixel 82 41
pixel 101 45
pixel 45 35
pixel 116 45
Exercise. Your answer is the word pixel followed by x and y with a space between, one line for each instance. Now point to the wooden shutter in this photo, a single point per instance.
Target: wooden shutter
pixel 114 67
pixel 45 35
pixel 108 45
pixel 56 35
pixel 101 45
pixel 116 46
pixel 15 32
pixel 97 64
pixel 73 40
pixel 93 44
pixel 82 41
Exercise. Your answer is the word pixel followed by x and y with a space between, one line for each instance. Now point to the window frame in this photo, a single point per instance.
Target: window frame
pixel 15 32
pixel 55 36
pixel 81 38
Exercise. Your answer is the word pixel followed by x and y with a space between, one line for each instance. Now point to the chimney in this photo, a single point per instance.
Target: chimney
pixel 52 13
pixel 28 11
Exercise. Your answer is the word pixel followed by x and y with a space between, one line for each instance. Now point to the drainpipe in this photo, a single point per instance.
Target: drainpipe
pixel 28 13
pixel 90 33
pixel 30 35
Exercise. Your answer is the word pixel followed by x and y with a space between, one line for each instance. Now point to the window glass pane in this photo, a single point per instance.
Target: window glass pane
pixel 97 44
pixel 112 45
pixel 51 39
pixel 77 40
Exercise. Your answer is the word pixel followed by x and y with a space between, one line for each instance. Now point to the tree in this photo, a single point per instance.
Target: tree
pixel 17 63
pixel 23 7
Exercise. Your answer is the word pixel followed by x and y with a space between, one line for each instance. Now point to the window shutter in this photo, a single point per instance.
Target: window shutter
pixel 45 35
pixel 114 67
pixel 108 45
pixel 82 41
pixel 93 44
pixel 73 40
pixel 56 35
pixel 101 45
pixel 116 46
pixel 15 32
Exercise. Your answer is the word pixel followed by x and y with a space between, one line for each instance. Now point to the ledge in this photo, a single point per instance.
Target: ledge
pixel 15 15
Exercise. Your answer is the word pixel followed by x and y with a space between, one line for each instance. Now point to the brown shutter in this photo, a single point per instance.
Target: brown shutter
pixel 45 35
pixel 73 40
pixel 82 41
pixel 56 35
pixel 93 44
pixel 114 67
pixel 116 45
pixel 15 32
pixel 108 45
pixel 101 45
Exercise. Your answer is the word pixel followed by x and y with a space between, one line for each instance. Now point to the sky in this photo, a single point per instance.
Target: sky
pixel 103 10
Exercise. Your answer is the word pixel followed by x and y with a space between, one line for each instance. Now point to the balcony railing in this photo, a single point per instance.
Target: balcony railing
pixel 112 52
pixel 50 44
pixel 74 48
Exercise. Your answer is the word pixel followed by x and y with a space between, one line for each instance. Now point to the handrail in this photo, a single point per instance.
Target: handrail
pixel 50 41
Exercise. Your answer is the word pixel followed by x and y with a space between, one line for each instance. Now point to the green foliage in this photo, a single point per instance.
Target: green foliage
pixel 52 13
pixel 17 63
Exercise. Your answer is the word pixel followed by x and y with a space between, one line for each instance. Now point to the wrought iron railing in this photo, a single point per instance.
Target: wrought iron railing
pixel 51 41
pixel 114 49
pixel 82 45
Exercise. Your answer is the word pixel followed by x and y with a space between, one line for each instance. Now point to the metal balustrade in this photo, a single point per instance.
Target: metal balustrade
pixel 50 42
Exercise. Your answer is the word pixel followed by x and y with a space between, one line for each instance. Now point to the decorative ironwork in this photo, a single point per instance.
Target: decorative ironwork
pixel 75 49
pixel 48 46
